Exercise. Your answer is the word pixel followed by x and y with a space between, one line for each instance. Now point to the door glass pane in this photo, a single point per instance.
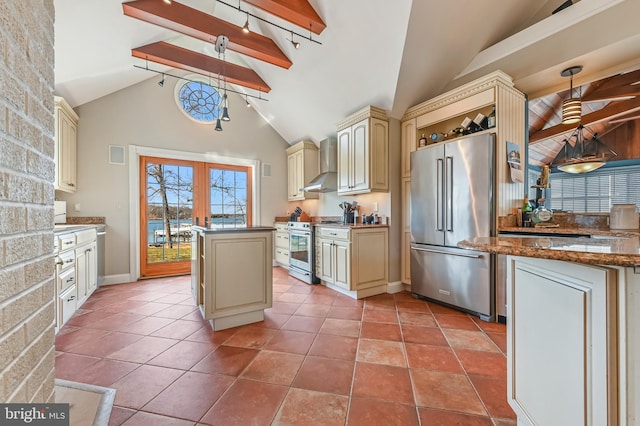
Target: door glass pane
pixel 228 198
pixel 169 212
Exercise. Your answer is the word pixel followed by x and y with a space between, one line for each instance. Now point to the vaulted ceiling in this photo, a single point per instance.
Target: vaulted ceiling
pixel 389 54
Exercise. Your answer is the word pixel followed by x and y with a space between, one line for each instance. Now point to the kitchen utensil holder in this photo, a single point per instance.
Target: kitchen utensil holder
pixel 347 218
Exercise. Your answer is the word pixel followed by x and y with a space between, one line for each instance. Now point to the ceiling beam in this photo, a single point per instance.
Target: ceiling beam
pixel 627 117
pixel 184 59
pixel 194 23
pixel 619 86
pixel 297 12
pixel 611 111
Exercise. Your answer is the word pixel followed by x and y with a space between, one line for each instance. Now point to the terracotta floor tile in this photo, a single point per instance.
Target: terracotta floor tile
pixel 447 391
pixel 117 322
pixel 96 302
pixel 504 422
pixel 183 355
pixel 424 335
pixel 283 307
pixel 148 325
pixel 348 302
pixel 380 315
pixel 412 318
pixel 381 352
pixel 305 407
pixel 404 296
pixel 431 417
pixel 500 340
pixel 278 368
pixel 473 340
pixel 141 418
pixel 341 327
pixel 88 318
pixel 273 320
pixel 148 308
pixel 302 323
pixel 313 310
pixel 456 321
pixel 174 298
pixel 119 415
pixel 440 309
pixel 292 297
pixel 321 299
pixel 70 366
pixel 338 347
pixel 381 331
pixel 490 327
pixel 175 311
pixel 122 306
pixel 148 296
pixel 383 382
pixel 105 345
pixel 381 301
pixel 251 337
pixel 493 392
pixel 300 288
pixel 325 375
pixel 417 307
pixel 178 329
pixel 229 360
pixel 437 358
pixel 194 315
pixel 492 364
pixel 208 335
pixel 368 412
pixel 104 372
pixel 143 350
pixel 281 288
pixel 295 342
pixel 142 385
pixel 191 396
pixel 247 402
pixel 343 312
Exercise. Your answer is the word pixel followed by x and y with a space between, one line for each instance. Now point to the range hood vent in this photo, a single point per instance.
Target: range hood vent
pixel 327 180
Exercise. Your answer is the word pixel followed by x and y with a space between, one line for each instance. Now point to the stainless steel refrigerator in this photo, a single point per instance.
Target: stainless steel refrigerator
pixel 452 199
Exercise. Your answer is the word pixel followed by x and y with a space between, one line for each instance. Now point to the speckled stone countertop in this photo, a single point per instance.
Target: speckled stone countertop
pixel 352 226
pixel 220 230
pixel 618 251
pixel 572 231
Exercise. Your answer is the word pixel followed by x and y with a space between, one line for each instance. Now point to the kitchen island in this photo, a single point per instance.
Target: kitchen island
pixel 573 328
pixel 231 274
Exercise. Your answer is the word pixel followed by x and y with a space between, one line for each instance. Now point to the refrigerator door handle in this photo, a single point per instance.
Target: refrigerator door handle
pixel 473 256
pixel 439 195
pixel 449 193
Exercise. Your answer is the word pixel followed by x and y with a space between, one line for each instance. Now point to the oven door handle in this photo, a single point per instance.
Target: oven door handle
pixel 302 233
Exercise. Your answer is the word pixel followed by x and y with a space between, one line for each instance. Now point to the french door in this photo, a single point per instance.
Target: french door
pixel 173 193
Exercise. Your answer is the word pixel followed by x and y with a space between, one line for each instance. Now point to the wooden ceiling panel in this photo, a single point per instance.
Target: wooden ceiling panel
pixel 297 12
pixel 194 23
pixel 184 59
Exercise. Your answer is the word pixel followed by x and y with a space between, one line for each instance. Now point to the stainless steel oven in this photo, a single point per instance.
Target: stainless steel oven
pixel 302 252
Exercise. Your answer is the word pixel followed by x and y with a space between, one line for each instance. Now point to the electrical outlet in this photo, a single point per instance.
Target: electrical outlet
pixel 76 207
pixel 375 206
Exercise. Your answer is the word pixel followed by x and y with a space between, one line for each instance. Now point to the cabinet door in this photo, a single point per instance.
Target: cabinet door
pixel 81 274
pixel 360 156
pixel 408 145
pixel 326 261
pixel 344 155
pixel 342 252
pixel 92 268
pixel 66 158
pixel 294 176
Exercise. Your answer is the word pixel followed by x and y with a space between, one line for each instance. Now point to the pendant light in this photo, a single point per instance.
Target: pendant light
pixel 585 155
pixel 572 107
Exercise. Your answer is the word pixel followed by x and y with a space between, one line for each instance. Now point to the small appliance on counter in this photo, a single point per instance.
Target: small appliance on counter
pixel 60 212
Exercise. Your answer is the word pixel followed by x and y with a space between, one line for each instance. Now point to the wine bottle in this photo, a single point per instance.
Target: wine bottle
pixel 437 137
pixel 491 119
pixel 480 121
pixel 423 141
pixel 541 213
pixel 526 211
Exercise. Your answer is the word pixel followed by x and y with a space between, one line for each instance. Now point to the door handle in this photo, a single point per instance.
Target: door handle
pixel 449 193
pixel 439 194
pixel 473 256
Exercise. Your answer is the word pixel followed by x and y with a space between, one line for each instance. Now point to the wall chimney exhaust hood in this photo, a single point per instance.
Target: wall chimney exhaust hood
pixel 327 180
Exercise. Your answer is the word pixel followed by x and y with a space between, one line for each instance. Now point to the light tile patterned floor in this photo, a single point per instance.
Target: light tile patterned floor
pixel 318 358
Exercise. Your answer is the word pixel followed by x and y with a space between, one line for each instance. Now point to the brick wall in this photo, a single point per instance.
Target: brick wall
pixel 26 201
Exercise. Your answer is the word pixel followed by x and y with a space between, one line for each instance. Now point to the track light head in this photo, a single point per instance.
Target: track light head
pixel 296 44
pixel 245 27
pixel 161 82
pixel 218 125
pixel 167 1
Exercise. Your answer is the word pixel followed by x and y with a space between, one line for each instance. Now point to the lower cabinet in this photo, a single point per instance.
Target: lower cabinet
pixel 281 244
pixel 353 259
pixel 86 271
pixel 562 339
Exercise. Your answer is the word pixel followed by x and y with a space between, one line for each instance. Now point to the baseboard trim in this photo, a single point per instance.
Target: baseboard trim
pixel 117 279
pixel 396 287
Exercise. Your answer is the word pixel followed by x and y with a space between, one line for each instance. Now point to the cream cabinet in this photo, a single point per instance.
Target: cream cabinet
pixel 281 244
pixel 562 343
pixel 363 152
pixel 66 133
pixel 302 166
pixel 86 264
pixel 353 259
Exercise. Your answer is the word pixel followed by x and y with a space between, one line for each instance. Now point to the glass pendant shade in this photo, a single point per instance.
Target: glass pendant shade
pixel 571 111
pixel 218 125
pixel 225 114
pixel 585 155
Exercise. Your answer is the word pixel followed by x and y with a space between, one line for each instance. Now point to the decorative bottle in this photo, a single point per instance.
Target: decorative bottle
pixel 526 211
pixel 423 141
pixel 437 137
pixel 491 119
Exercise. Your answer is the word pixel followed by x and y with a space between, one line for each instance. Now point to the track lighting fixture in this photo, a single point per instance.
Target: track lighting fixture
pixel 245 27
pixel 295 44
pixel 572 107
pixel 246 99
pixel 218 125
pixel 161 82
pixel 225 110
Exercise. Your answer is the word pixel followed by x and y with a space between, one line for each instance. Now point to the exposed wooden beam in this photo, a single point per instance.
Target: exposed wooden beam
pixel 627 117
pixel 184 59
pixel 619 86
pixel 194 23
pixel 611 111
pixel 298 12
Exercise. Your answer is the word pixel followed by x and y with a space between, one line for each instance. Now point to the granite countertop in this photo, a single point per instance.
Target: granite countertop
pixel 67 228
pixel 352 226
pixel 572 231
pixel 602 250
pixel 219 230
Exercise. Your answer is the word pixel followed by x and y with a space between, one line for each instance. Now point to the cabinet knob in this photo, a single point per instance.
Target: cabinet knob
pixel 70 184
pixel 59 262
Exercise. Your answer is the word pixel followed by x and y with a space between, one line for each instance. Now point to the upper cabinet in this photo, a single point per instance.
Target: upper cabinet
pixel 66 133
pixel 363 146
pixel 302 166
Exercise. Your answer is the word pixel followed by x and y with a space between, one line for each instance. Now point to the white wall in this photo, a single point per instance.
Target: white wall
pixel 147 115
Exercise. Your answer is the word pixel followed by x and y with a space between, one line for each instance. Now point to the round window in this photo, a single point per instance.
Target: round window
pixel 198 100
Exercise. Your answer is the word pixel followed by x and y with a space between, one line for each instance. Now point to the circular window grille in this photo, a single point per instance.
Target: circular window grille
pixel 199 100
